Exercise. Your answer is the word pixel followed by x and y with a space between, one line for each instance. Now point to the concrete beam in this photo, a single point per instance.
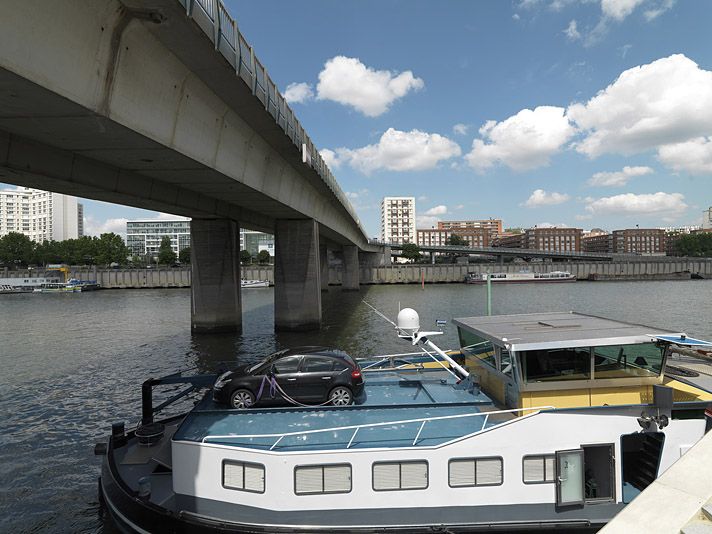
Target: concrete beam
pixel 297 275
pixel 216 304
pixel 351 269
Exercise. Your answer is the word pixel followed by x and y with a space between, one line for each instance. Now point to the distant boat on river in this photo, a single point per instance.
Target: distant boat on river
pixel 518 278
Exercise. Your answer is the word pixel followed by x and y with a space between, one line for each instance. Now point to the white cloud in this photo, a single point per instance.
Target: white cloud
pixel 426 221
pixel 348 81
pixel 399 151
pixel 693 156
pixel 422 198
pixel 619 9
pixel 437 210
pixel 460 129
pixel 661 204
pixel 571 32
pixel 550 225
pixel 666 101
pixel 298 93
pixel 655 12
pixel 95 227
pixel 541 198
pixel 353 195
pixel 523 141
pixel 583 217
pixel 330 158
pixel 459 207
pixel 618 178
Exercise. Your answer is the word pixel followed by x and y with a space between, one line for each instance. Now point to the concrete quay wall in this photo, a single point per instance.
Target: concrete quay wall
pixel 395 273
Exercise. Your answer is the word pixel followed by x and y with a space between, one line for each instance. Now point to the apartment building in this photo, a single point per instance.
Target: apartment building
pixel 143 238
pixel 40 215
pixel 398 220
pixel 493 227
pixel 546 239
pixel 640 241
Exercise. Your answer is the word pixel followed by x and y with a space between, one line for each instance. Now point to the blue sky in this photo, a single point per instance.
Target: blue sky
pixel 588 113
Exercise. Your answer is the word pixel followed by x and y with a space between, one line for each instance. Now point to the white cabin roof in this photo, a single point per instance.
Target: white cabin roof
pixel 533 331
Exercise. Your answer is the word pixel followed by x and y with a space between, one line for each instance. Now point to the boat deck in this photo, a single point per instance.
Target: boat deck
pixel 399 409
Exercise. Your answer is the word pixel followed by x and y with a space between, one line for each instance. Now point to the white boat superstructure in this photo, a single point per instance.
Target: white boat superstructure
pixel 246 284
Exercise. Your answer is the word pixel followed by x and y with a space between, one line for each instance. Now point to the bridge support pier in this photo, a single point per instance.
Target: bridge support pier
pixel 324 262
pixel 297 275
pixel 216 303
pixel 351 269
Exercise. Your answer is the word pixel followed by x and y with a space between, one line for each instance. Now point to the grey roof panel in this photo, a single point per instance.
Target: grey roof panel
pixel 554 328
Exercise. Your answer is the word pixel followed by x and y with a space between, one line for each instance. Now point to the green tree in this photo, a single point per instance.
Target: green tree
pixel 514 230
pixel 110 248
pixel 245 257
pixel 263 257
pixel 184 255
pixel 697 245
pixel 16 249
pixel 457 240
pixel 411 251
pixel 48 252
pixel 166 255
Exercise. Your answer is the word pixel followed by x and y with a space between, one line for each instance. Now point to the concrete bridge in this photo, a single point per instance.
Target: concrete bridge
pixel 502 252
pixel 163 105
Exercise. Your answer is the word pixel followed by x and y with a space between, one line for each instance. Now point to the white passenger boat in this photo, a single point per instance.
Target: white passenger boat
pixel 245 284
pixel 564 419
pixel 520 278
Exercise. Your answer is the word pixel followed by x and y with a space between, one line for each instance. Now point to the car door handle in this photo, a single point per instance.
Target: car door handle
pixel 291 379
pixel 326 378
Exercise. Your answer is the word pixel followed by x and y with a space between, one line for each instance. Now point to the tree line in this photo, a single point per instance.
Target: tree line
pixel 18 251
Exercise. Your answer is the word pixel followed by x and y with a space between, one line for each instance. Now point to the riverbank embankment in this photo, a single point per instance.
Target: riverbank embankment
pixel 639 269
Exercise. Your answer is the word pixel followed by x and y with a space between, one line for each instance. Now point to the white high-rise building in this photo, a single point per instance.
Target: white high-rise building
pixel 398 220
pixel 707 219
pixel 40 215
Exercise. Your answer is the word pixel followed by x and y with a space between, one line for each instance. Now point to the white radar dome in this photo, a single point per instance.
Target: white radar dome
pixel 408 321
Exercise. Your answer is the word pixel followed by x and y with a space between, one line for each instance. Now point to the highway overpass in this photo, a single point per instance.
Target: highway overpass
pixel 502 252
pixel 163 105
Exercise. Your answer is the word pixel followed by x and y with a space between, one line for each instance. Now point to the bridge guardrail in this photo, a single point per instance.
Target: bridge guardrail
pixel 238 51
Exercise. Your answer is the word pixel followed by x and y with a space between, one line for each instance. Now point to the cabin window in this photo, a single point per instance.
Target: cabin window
pixel 474 346
pixel 506 362
pixel 557 364
pixel 624 361
pixel 389 476
pixel 243 476
pixel 538 469
pixel 316 479
pixel 469 472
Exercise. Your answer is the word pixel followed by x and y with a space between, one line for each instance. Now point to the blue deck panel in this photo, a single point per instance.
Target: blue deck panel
pixel 389 396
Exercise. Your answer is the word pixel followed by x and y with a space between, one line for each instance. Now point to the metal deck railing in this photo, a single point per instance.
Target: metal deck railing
pixel 217 23
pixel 280 436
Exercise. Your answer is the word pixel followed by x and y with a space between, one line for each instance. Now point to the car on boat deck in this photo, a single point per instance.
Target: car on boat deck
pixel 301 376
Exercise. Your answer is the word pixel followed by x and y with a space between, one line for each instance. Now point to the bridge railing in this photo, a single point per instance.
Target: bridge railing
pixel 233 45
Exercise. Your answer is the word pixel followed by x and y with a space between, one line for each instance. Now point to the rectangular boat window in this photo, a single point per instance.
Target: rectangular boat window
pixel 625 361
pixel 470 472
pixel 550 365
pixel 474 346
pixel 538 469
pixel 243 476
pixel 506 362
pixel 389 476
pixel 317 479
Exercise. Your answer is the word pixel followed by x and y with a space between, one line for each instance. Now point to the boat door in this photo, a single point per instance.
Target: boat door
pixel 570 478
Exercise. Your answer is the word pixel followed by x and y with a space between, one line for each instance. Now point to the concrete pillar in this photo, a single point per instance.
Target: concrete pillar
pixel 297 274
pixel 324 262
pixel 216 304
pixel 351 269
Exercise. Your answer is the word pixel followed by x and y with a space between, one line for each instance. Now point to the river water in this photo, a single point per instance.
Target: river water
pixel 73 364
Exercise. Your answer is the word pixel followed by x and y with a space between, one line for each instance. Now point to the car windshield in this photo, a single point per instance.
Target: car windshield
pixel 268 359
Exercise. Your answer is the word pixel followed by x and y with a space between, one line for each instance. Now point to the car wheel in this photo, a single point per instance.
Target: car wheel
pixel 341 396
pixel 241 399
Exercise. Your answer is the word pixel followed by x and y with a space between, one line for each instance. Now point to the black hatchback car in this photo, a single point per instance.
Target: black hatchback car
pixel 307 375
